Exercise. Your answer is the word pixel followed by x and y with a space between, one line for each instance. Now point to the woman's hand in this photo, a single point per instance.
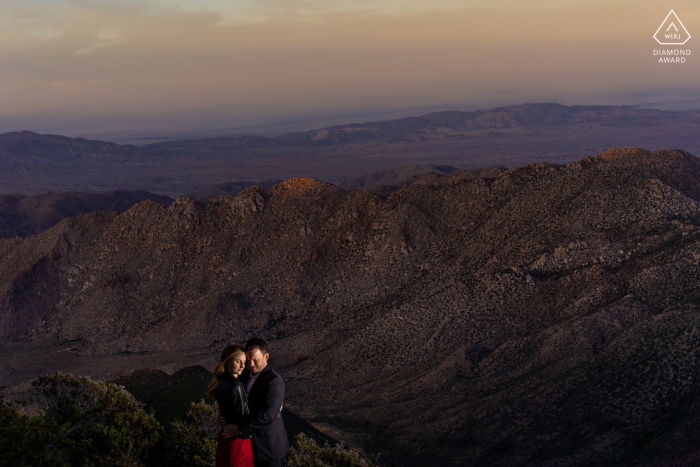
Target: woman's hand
pixel 230 431
pixel 221 419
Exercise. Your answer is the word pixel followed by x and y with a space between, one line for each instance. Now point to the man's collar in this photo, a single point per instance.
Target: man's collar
pixel 256 374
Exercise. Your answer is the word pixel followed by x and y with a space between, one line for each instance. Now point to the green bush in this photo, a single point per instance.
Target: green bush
pixel 189 444
pixel 306 453
pixel 186 446
pixel 32 441
pixel 80 423
pixel 91 423
pixel 115 430
pixel 205 417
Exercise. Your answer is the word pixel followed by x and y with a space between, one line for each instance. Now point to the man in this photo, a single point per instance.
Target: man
pixel 265 390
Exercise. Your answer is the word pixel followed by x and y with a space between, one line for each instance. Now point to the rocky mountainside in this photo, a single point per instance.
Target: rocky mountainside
pixel 545 316
pixel 22 216
pixel 678 169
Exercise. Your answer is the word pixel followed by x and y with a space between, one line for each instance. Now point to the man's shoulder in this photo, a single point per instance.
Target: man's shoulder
pixel 270 374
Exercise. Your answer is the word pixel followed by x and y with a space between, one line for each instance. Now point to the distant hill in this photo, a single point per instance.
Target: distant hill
pixel 228 189
pixel 433 178
pixel 389 181
pixel 27 147
pixel 420 128
pixel 22 216
pixel 394 177
pixel 507 136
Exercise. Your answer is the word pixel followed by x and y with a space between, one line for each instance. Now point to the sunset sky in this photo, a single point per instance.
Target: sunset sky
pixel 78 67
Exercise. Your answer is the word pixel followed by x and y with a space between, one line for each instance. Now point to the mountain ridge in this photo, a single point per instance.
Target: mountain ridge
pixel 544 316
pixel 533 114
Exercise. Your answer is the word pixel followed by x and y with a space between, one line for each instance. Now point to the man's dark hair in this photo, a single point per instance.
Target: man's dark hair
pixel 257 343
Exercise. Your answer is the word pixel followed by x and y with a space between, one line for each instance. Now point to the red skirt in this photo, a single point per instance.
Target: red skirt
pixel 234 452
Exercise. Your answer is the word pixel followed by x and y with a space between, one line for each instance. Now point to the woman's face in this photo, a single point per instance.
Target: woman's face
pixel 237 363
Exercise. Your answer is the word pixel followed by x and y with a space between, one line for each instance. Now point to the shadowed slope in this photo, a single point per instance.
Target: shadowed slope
pixel 394 177
pixel 24 216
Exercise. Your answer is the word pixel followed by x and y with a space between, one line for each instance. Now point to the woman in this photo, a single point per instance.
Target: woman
pixel 233 404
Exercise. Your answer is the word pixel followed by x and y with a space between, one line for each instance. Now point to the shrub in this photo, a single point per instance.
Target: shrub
pixel 306 453
pixel 90 423
pixel 31 441
pixel 205 418
pixel 188 444
pixel 109 426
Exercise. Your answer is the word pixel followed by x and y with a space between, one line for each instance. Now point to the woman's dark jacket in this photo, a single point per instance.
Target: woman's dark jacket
pixel 232 399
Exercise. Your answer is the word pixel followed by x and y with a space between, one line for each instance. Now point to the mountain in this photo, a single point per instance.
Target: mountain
pixel 547 316
pixel 29 147
pixel 527 115
pixel 430 125
pixel 394 177
pixel 677 168
pixel 506 136
pixel 22 216
pixel 385 183
pixel 228 189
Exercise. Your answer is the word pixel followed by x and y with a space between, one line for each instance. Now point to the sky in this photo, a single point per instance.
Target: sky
pixel 81 67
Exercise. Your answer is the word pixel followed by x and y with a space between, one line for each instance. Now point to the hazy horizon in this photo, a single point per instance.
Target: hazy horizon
pixel 153 68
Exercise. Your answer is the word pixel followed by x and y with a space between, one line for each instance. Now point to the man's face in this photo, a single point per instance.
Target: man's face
pixel 256 360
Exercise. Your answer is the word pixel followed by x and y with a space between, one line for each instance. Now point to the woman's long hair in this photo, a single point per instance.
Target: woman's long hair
pixel 226 355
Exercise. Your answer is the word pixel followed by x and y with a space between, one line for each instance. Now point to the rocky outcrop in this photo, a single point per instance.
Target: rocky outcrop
pixel 676 168
pixel 545 316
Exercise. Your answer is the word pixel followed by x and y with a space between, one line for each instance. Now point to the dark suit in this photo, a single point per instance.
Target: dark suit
pixel 264 424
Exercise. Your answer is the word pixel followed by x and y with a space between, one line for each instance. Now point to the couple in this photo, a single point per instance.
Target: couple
pixel 250 402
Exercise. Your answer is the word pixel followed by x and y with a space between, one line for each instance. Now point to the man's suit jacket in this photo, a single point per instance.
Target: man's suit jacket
pixel 264 424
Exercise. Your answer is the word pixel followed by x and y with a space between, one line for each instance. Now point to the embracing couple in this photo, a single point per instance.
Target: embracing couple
pixel 250 401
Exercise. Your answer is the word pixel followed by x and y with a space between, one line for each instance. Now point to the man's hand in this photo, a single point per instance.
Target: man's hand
pixel 230 431
pixel 221 419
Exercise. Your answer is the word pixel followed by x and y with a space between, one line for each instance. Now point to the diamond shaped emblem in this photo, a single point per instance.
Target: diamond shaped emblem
pixel 672 31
